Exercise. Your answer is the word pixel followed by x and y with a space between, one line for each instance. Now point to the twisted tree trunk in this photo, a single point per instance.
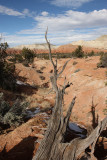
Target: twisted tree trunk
pixel 52 146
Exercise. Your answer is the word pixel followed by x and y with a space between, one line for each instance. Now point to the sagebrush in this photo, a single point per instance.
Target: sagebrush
pixel 12 115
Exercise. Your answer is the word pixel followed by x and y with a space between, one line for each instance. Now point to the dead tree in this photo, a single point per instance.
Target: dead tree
pixel 53 147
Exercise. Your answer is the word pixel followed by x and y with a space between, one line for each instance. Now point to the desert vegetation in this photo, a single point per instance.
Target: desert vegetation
pixel 78 52
pixel 11 116
pixel 25 57
pixel 103 60
pixel 7 70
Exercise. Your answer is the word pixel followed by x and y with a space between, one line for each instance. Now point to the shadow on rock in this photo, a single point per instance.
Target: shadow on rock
pixel 22 151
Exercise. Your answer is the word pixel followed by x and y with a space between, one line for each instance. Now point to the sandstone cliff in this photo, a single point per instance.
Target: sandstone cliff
pixel 100 43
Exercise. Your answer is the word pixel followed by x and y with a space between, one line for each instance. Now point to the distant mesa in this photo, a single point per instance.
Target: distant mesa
pixel 36 46
pixel 102 38
pixel 99 43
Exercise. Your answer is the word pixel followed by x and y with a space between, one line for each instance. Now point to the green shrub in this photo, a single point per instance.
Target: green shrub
pixel 16 58
pixel 91 54
pixel 25 63
pixel 12 59
pixel 101 53
pixel 15 116
pixel 3 47
pixel 28 55
pixel 54 55
pixel 79 53
pixel 12 120
pixel 7 78
pixel 19 58
pixel 4 107
pixel 12 115
pixel 103 61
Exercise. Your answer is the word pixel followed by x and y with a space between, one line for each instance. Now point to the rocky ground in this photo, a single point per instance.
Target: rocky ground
pixel 88 86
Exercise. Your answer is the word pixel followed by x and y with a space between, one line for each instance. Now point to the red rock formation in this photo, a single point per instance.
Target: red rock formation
pixel 88 85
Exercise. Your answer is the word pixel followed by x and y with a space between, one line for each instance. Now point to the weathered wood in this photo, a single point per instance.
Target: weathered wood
pixel 52 146
pixel 64 66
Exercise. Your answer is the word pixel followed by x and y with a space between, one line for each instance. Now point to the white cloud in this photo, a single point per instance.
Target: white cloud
pixel 14 40
pixel 44 13
pixel 56 38
pixel 11 12
pixel 27 13
pixel 69 3
pixel 70 20
pixel 64 28
pixel 8 11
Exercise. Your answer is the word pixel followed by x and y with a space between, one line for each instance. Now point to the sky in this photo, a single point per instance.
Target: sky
pixel 25 22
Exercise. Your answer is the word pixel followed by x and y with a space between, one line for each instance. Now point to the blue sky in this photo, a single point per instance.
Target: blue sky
pixel 25 22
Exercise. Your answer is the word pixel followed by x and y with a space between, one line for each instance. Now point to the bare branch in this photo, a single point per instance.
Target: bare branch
pixel 56 61
pixel 63 68
pixel 54 83
pixel 66 118
pixel 66 86
pixel 78 145
pixel 83 144
pixel 53 78
pixel 49 46
pixel 70 109
pixel 1 37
